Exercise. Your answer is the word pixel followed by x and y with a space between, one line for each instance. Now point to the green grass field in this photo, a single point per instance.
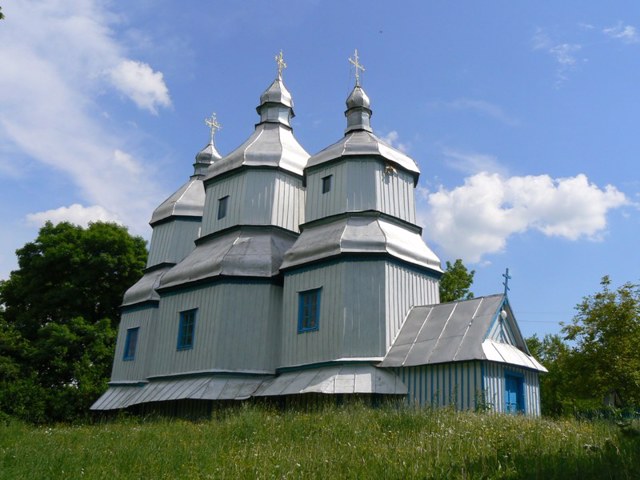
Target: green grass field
pixel 348 442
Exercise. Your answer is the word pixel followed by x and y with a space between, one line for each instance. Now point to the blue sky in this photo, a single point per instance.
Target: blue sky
pixel 523 118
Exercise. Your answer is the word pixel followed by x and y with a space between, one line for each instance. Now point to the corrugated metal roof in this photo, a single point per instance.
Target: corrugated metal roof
pixel 199 388
pixel 346 379
pixel 454 332
pixel 245 251
pixel 360 234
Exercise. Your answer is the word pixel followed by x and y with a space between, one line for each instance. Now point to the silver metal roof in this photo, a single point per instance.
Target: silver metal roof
pixel 272 144
pixel 360 234
pixel 456 331
pixel 359 139
pixel 188 201
pixel 145 288
pixel 346 379
pixel 245 251
pixel 199 388
pixel 205 157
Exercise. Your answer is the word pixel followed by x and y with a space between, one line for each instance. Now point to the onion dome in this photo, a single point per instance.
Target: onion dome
pixel 205 158
pixel 272 144
pixel 359 139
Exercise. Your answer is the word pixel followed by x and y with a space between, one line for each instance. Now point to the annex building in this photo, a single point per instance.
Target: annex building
pixel 279 275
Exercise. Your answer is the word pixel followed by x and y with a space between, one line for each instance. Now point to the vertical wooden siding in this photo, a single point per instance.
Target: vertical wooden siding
pixel 358 185
pixel 405 288
pixel 351 313
pixel 256 197
pixel 143 318
pixel 172 241
pixel 231 333
pixel 467 385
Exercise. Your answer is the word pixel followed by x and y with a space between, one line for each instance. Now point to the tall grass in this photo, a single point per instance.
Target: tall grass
pixel 348 442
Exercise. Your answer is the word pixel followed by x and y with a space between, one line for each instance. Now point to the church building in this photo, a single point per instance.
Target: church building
pixel 282 276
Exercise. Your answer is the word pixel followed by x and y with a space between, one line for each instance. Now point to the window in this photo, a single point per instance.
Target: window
pixel 130 344
pixel 186 330
pixel 308 310
pixel 222 207
pixel 326 183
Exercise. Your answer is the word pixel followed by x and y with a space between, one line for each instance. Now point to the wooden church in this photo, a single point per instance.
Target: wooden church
pixel 282 276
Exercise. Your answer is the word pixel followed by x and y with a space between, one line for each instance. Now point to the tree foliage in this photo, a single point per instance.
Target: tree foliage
pixel 455 283
pixel 60 315
pixel 598 358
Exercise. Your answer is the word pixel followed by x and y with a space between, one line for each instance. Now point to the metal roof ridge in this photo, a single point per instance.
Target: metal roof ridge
pixel 417 334
pixel 444 327
pixel 468 327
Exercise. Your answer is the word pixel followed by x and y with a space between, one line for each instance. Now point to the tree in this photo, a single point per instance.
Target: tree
pixel 60 316
pixel 606 358
pixel 456 282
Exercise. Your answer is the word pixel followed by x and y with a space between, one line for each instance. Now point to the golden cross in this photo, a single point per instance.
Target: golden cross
pixel 280 63
pixel 356 63
pixel 213 125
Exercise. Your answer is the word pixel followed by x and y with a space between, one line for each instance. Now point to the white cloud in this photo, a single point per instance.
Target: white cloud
pixel 75 213
pixel 485 108
pixel 472 162
pixel 625 33
pixel 564 54
pixel 392 139
pixel 139 82
pixel 54 57
pixel 477 218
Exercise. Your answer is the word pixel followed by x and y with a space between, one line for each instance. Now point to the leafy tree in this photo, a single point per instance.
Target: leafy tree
pixel 606 358
pixel 455 283
pixel 60 315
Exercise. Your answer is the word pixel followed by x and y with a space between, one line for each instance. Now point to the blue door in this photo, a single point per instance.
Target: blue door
pixel 513 393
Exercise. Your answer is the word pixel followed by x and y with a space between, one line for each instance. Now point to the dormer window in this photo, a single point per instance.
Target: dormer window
pixel 326 183
pixel 222 207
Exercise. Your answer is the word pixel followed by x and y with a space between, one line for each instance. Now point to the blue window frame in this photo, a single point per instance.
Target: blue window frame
pixel 130 344
pixel 187 329
pixel 309 310
pixel 222 207
pixel 326 183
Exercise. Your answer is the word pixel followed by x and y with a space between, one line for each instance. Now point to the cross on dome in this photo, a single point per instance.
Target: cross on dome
pixel 212 123
pixel 358 66
pixel 280 63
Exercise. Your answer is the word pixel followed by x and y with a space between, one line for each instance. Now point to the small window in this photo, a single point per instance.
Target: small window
pixel 326 183
pixel 186 330
pixel 222 207
pixel 309 310
pixel 130 344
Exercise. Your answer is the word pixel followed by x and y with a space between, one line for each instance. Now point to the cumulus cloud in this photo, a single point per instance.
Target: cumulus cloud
pixel 625 33
pixel 75 213
pixel 477 218
pixel 54 58
pixel 141 84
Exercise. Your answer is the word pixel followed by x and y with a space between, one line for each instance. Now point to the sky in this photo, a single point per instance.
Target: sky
pixel 522 116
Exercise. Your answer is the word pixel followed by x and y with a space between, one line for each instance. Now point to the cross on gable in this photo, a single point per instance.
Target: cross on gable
pixel 358 66
pixel 507 277
pixel 212 123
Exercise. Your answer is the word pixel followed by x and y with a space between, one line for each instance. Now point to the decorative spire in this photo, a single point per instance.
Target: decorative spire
pixel 208 154
pixel 507 277
pixel 280 63
pixel 358 105
pixel 213 124
pixel 358 66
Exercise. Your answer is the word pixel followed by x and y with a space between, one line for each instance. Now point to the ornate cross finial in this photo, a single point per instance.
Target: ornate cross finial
pixel 358 66
pixel 213 125
pixel 280 63
pixel 507 277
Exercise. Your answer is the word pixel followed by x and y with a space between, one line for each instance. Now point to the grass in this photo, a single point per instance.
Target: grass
pixel 348 442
